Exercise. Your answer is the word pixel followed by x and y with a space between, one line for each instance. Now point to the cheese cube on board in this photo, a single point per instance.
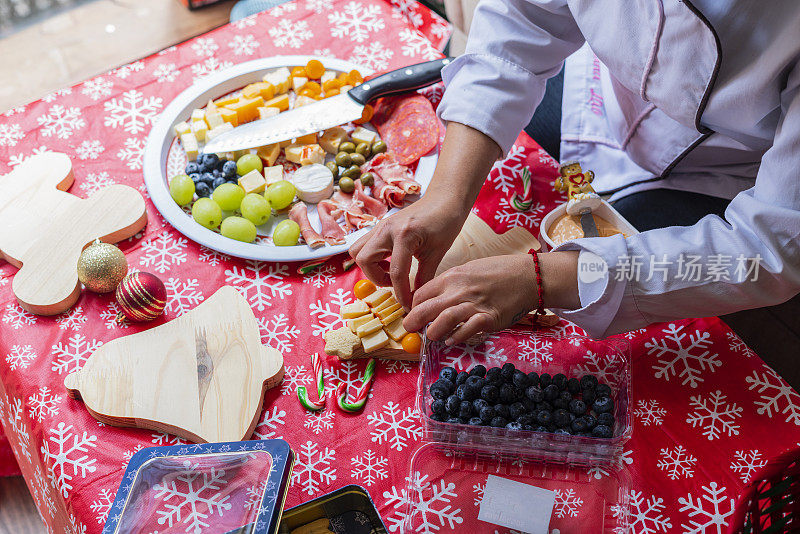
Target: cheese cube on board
pixel 298 82
pixel 356 309
pixel 375 341
pixel 211 107
pixel 331 139
pixel 387 311
pixel 284 144
pixel 198 115
pixel 247 108
pixel 189 143
pixel 218 130
pixel 281 102
pixel 327 75
pixel 397 314
pixel 225 100
pixel 391 301
pixel 274 173
pixel 199 130
pixel 269 153
pixel 377 296
pixel 308 139
pixel 280 79
pixel 265 112
pixel 229 116
pixel 369 328
pixel 312 154
pixel 362 135
pixel 182 128
pixel 252 182
pixel 355 324
pixel 395 329
pixel 214 119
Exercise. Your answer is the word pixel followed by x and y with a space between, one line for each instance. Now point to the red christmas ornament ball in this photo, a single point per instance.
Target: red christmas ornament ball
pixel 141 297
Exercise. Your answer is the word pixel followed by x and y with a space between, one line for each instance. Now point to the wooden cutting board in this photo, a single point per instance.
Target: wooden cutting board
pixel 43 229
pixel 201 376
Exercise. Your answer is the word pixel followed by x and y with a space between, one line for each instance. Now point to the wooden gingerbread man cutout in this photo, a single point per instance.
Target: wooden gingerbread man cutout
pixel 43 229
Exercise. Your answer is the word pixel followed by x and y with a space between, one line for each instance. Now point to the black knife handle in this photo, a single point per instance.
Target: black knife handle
pixel 400 81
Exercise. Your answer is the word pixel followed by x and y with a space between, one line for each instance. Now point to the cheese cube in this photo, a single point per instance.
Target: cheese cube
pixel 247 108
pixel 279 79
pixel 351 311
pixel 377 296
pixel 369 328
pixel 362 135
pixel 199 130
pixel 269 153
pixel 354 324
pixel 327 75
pixel 211 107
pixel 218 130
pixel 265 112
pixel 255 89
pixel 397 314
pixel 252 182
pixel 391 301
pixel 281 102
pixel 303 100
pixel 389 310
pixel 198 115
pixel 396 330
pixel 229 116
pixel 375 341
pixel 284 144
pixel 225 100
pixel 214 119
pixel 189 142
pixel 308 139
pixel 305 154
pixel 331 139
pixel 298 82
pixel 273 174
pixel 182 128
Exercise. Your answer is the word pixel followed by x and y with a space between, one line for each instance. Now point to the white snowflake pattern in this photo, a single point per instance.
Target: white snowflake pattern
pixel 43 404
pixel 204 46
pixel 294 376
pixel 467 356
pixel 94 182
pixel 369 467
pixel 71 355
pixel 17 427
pixel 260 282
pixel 17 318
pixel 509 215
pixel 685 362
pixel 14 111
pixel 505 174
pixel 745 463
pixel 97 88
pixel 128 454
pixel 290 33
pixel 649 412
pixel 394 426
pixel 90 149
pixel 326 314
pixel 61 122
pixel 408 9
pixel 248 21
pixel 318 6
pixel 319 422
pixel 243 45
pixel 396 366
pixel 163 252
pixel 632 334
pixel 20 357
pixel 10 134
pixel 429 504
pixel 775 391
pixel 166 72
pixel 41 493
pixel 102 505
pixel 714 415
pixel 478 490
pixel 536 351
pixel 208 66
pixel 182 295
pixel 567 503
pixel 677 462
pixel 126 70
pixel 211 256
pixel 268 426
pixel 52 97
pixel 374 55
pixel 716 516
pixel 68 454
pixel 160 439
pixel 132 111
pixel 347 372
pixel 606 368
pixel 598 472
pixel 645 514
pixel 75 526
pixel 356 22
pixel 321 276
pixel 109 316
pixel 313 468
pixel 15 160
pixel 195 490
pixel 547 159
pixel 278 333
pixel 282 9
pixel 415 44
pixel 131 153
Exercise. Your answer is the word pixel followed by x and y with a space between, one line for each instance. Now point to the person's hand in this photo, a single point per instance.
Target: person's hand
pixel 485 295
pixel 424 230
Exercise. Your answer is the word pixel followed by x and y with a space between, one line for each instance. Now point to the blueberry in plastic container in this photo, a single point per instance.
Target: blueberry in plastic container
pixel 560 380
pixel 502 410
pixel 461 377
pixel 499 422
pixel 438 406
pixel 493 374
pixel 551 392
pixel 520 380
pixel 529 404
pixel 560 404
pixel 578 425
pixel 577 406
pixel 544 417
pixel 533 378
pixel 526 419
pixel 440 417
pixel 453 404
pixel 591 421
pixel 606 419
pixel 507 394
pixel 603 405
pixel 560 431
pixel 544 405
pixel 476 382
pixel 602 431
pixel 490 393
pixel 478 370
pixel 475 421
pixel 588 382
pixel 513 425
pixel 561 418
pixel 449 374
pixel 486 414
pixel 588 396
pixel 465 409
pixel 534 393
pixel 545 380
pixel 479 404
pixel 603 390
pixel 465 393
pixel 516 410
pixel 507 371
pixel 574 386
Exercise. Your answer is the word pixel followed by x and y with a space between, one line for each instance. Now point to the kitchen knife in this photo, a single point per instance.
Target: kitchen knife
pixel 588 224
pixel 328 112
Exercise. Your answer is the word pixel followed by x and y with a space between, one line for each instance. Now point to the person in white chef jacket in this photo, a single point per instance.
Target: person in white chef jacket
pixel 683 103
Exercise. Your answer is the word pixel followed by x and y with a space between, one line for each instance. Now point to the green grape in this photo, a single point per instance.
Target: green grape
pixel 247 163
pixel 286 233
pixel 255 209
pixel 207 213
pixel 229 196
pixel 181 187
pixel 280 194
pixel 238 228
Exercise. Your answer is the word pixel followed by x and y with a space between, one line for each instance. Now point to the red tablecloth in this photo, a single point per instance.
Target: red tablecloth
pixel 707 411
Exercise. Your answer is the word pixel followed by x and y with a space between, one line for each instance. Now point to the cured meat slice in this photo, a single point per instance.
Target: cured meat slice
pixel 391 195
pixel 386 166
pixel 299 214
pixel 370 205
pixel 331 231
pixel 408 125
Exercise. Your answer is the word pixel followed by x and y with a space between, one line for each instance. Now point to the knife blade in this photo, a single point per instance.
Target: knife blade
pixel 329 112
pixel 588 224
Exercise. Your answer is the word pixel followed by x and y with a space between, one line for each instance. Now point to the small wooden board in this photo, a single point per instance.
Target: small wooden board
pixel 201 376
pixel 43 229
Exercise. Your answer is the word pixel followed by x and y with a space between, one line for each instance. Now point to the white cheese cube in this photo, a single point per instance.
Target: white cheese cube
pixel 375 341
pixel 395 329
pixel 331 139
pixel 273 174
pixel 269 153
pixel 252 182
pixel 198 115
pixel 298 82
pixel 389 319
pixel 218 130
pixel 267 112
pixel 377 296
pixel 362 135
pixel 200 129
pixel 214 119
pixel 279 78
pixel 368 328
pixel 354 324
pixel 182 128
pixel 189 143
pixel 351 311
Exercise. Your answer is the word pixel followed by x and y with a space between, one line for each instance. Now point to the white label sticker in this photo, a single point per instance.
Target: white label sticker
pixel 516 505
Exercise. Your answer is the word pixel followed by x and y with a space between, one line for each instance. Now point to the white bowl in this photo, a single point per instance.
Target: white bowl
pixel 605 211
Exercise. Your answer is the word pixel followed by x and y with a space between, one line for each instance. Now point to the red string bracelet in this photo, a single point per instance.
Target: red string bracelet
pixel 539 287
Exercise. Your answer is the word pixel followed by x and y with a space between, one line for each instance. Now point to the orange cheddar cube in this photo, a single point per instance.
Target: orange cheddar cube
pixel 308 139
pixel 247 108
pixel 229 116
pixel 225 100
pixel 281 102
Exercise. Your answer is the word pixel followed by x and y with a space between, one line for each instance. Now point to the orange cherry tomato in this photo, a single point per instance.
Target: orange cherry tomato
pixel 331 92
pixel 354 77
pixel 331 84
pixel 411 343
pixel 315 69
pixel 363 289
pixel 312 87
pixel 366 115
pixel 299 72
pixel 343 78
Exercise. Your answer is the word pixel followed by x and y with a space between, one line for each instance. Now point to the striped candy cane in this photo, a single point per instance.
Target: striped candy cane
pixel 524 203
pixel 302 394
pixel 361 398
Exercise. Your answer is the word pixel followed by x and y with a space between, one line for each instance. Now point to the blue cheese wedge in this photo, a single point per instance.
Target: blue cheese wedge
pixel 314 183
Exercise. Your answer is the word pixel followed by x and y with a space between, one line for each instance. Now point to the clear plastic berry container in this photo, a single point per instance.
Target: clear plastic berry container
pixel 574 356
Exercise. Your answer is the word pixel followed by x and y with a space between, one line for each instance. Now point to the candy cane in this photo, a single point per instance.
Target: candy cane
pixel 524 203
pixel 302 394
pixel 363 393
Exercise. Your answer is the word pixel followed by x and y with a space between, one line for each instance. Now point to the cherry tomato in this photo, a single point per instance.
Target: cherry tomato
pixel 366 115
pixel 354 77
pixel 363 289
pixel 315 69
pixel 411 343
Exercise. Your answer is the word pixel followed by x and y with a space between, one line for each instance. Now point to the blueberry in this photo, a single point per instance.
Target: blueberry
pixel 513 425
pixel 560 431
pixel 209 161
pixel 561 418
pixel 195 177
pixel 551 392
pixel 603 390
pixel 507 394
pixel 475 421
pixel 192 167
pixel 560 380
pixel 502 410
pixel 475 382
pixel 478 405
pixel 233 180
pixel 574 386
pixel 218 181
pixel 461 377
pixel 507 372
pixel 478 370
pixel 202 189
pixel 486 414
pixel 490 393
pixel 439 417
pixel 589 396
pixel 217 173
pixel 606 419
pixel 535 393
pixel 229 169
pixel 603 405
pixel 493 374
pixel 591 421
pixel 207 178
pixel 527 428
pixel 533 378
pixel 498 422
pixel 438 406
pixel 560 404
pixel 221 164
pixel 565 395
pixel 544 417
pixel 578 425
pixel 526 419
pixel 540 428
pixel 449 374
pixel 520 380
pixel 544 405
pixel 545 380
pixel 516 410
pixel 577 406
pixel 464 392
pixel 439 393
pixel 453 404
pixel 588 382
pixel 465 409
pixel 529 404
pixel 602 431
pixel 455 420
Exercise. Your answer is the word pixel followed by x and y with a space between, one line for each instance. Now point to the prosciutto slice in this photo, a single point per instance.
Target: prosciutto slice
pixel 331 231
pixel 352 209
pixel 299 214
pixel 393 173
pixel 389 194
pixel 370 205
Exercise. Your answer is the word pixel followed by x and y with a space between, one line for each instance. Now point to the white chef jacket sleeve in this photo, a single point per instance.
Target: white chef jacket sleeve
pixel 514 46
pixel 748 260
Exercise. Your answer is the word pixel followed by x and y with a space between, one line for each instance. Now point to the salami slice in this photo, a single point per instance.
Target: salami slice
pixel 408 126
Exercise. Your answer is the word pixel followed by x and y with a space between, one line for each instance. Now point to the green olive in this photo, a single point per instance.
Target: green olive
pixel 347 146
pixel 334 168
pixel 363 149
pixel 357 159
pixel 347 185
pixel 352 172
pixel 367 179
pixel 342 159
pixel 378 147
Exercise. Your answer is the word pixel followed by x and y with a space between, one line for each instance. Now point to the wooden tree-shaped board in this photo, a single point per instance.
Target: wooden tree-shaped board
pixel 201 376
pixel 43 229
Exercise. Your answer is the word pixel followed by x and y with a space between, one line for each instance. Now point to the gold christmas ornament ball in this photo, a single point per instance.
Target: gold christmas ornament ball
pixel 101 267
